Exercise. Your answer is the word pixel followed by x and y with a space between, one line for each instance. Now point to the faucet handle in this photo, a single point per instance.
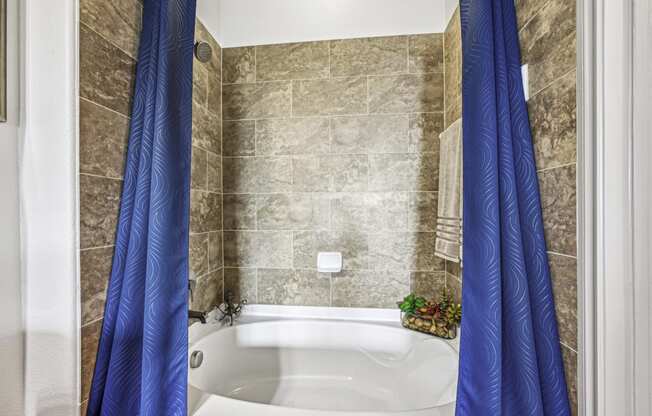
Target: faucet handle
pixel 192 284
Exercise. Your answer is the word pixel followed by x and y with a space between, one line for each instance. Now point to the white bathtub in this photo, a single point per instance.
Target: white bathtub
pixel 296 361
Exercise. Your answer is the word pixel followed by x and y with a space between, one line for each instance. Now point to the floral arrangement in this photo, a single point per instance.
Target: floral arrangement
pixel 440 318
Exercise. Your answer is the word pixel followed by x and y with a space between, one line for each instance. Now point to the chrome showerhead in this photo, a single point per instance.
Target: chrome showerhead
pixel 203 51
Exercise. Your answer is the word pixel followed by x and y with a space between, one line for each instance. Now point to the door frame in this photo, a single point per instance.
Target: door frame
pixel 614 205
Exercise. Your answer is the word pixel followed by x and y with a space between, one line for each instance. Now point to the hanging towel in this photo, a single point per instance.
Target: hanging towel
pixel 448 243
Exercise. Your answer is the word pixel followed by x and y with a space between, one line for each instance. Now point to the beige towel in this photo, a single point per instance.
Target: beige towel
pixel 448 244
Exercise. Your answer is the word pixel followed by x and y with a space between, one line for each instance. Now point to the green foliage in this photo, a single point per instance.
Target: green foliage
pixel 411 303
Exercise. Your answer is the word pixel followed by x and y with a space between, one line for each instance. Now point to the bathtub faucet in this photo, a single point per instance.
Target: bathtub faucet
pixel 229 309
pixel 197 315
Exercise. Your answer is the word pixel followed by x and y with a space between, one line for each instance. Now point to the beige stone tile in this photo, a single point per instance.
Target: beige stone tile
pixel 206 128
pixel 370 134
pixel 268 249
pixel 239 212
pixel 548 43
pixel 205 211
pixel 257 175
pixel 559 202
pixel 454 269
pixel 353 245
pixel 290 136
pixel 103 136
pixel 214 95
pixel 329 97
pixel 429 285
pixel 239 65
pixel 369 212
pixel 454 285
pixel 413 93
pixel 570 368
pixel 293 287
pixel 199 84
pixel 304 60
pixel 369 56
pixel 349 173
pixel 239 138
pixel 553 123
pixel 259 100
pixel 303 211
pixel 99 205
pixel 215 250
pixel 215 64
pixel 106 74
pixel 198 255
pixel 526 9
pixel 365 289
pixel 424 132
pixel 404 251
pixel 90 338
pixel 209 291
pixel 403 172
pixel 422 211
pixel 563 272
pixel 118 21
pixel 198 174
pixel 241 283
pixel 214 172
pixel 311 174
pixel 95 269
pixel 426 53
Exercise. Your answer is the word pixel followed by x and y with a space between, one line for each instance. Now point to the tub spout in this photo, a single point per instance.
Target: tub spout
pixel 201 316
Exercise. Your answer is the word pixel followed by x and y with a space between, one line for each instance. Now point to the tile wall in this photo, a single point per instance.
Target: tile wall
pixel 108 36
pixel 333 146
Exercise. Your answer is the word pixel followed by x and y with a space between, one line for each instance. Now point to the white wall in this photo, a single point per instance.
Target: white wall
pixel 11 312
pixel 256 22
pixel 48 198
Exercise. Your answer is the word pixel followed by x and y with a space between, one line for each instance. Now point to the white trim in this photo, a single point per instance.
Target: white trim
pixel 586 206
pixel 615 44
pixel 48 163
pixel 642 205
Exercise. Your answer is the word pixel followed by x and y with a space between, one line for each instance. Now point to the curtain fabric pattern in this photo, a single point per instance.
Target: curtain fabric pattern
pixel 141 366
pixel 510 356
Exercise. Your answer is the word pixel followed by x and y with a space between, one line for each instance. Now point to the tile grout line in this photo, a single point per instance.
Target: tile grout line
pixel 110 42
pixel 565 165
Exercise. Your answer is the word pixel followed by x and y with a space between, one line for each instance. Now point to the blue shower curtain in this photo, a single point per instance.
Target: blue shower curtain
pixel 141 364
pixel 510 358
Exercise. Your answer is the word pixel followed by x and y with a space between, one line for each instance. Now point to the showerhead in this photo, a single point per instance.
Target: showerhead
pixel 203 51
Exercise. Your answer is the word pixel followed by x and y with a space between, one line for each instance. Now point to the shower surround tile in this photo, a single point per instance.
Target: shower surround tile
pixel 291 136
pixel 356 157
pixel 563 272
pixel 364 289
pixel 199 169
pixel 239 138
pixel 208 291
pixel 205 129
pixel 262 249
pixel 107 74
pixel 426 53
pixel 239 65
pixel 403 172
pixel 429 285
pixel 90 338
pixel 293 287
pixel 198 256
pixel 205 211
pixel 103 136
pixel 553 123
pixel 424 131
pixel 548 43
pixel 241 283
pixel 305 60
pixel 410 93
pixel 370 134
pixel 215 250
pixel 259 100
pixel 329 97
pixel 559 202
pixel 369 56
pixel 99 204
pixel 119 21
pixel 95 268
